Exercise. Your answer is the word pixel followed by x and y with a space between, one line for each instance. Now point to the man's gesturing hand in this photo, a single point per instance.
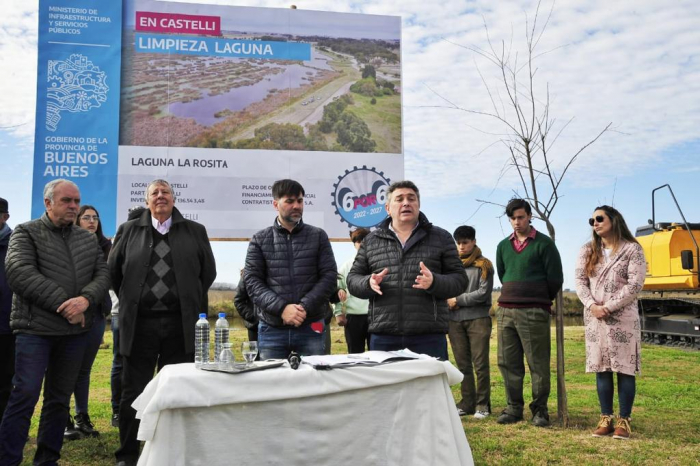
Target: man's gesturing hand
pixel 425 279
pixel 293 314
pixel 376 279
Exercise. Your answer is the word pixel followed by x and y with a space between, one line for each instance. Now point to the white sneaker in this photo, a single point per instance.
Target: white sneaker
pixel 481 414
pixel 461 412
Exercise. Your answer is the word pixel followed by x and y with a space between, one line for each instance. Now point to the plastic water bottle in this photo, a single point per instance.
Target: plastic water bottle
pixel 201 341
pixel 220 335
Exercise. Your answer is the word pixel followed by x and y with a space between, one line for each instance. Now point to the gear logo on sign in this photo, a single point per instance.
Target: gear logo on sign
pixel 359 197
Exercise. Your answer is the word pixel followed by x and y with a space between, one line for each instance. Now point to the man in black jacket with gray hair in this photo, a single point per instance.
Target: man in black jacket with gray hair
pixel 58 275
pixel 408 268
pixel 290 273
pixel 162 266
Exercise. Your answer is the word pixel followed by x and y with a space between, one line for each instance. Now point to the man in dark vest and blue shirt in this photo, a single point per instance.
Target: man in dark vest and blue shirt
pixel 529 268
pixel 290 273
pixel 408 268
pixel 162 266
pixel 58 276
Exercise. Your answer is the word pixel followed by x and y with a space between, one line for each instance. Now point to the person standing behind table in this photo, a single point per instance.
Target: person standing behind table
pixel 529 267
pixel 116 372
pixel 327 341
pixel 162 266
pixel 470 326
pixel 89 219
pixel 351 312
pixel 58 275
pixel 290 273
pixel 246 309
pixel 610 273
pixel 408 268
pixel 7 339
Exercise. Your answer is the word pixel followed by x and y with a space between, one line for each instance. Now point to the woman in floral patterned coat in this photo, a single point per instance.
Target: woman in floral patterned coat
pixel 609 275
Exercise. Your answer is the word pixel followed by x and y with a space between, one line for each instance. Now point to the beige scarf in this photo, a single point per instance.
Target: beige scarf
pixel 477 260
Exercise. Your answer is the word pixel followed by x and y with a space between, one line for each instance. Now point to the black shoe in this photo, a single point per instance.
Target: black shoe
pixel 464 412
pixel 506 418
pixel 540 419
pixel 71 433
pixel 83 424
pixel 115 420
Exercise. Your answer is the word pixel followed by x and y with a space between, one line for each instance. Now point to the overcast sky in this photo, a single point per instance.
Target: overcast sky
pixel 635 64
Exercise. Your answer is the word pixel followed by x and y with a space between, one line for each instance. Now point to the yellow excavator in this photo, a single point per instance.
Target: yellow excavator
pixel 669 304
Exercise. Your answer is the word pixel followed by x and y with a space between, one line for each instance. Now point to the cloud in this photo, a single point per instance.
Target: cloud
pixel 633 63
pixel 18 36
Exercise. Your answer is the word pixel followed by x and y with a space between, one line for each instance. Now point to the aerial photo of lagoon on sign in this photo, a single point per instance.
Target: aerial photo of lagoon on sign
pixel 258 78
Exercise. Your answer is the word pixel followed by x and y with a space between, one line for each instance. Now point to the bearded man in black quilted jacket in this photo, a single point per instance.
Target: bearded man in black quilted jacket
pixel 290 273
pixel 407 268
pixel 59 277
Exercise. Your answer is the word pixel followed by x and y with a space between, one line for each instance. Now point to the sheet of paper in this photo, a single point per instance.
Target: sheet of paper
pixel 367 358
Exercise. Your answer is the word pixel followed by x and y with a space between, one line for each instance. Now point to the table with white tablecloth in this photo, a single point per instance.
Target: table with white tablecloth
pixel 401 413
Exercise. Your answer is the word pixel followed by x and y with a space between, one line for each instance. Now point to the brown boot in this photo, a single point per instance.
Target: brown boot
pixel 605 426
pixel 623 429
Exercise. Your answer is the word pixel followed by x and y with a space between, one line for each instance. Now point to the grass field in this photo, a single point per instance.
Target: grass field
pixel 383 119
pixel 666 428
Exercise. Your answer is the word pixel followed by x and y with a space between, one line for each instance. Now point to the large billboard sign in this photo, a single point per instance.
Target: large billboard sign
pixel 222 101
pixel 77 108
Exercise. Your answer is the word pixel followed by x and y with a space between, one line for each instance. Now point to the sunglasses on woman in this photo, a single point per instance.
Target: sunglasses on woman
pixel 597 218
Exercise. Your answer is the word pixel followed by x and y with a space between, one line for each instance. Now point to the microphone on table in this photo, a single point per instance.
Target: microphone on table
pixel 294 360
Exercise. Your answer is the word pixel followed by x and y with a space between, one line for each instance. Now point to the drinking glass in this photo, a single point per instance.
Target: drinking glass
pixel 250 351
pixel 226 358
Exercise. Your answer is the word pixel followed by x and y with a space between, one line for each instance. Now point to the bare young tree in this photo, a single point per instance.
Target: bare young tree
pixel 529 134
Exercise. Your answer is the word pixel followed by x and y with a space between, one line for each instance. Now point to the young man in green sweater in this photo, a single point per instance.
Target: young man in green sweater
pixel 529 268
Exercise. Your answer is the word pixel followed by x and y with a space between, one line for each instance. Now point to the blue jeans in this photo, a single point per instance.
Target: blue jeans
pixel 432 344
pixel 277 343
pixel 55 360
pixel 7 369
pixel 626 389
pixel 82 385
pixel 116 374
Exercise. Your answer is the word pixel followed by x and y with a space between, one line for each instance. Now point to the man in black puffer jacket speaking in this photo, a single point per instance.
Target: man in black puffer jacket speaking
pixel 290 273
pixel 407 268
